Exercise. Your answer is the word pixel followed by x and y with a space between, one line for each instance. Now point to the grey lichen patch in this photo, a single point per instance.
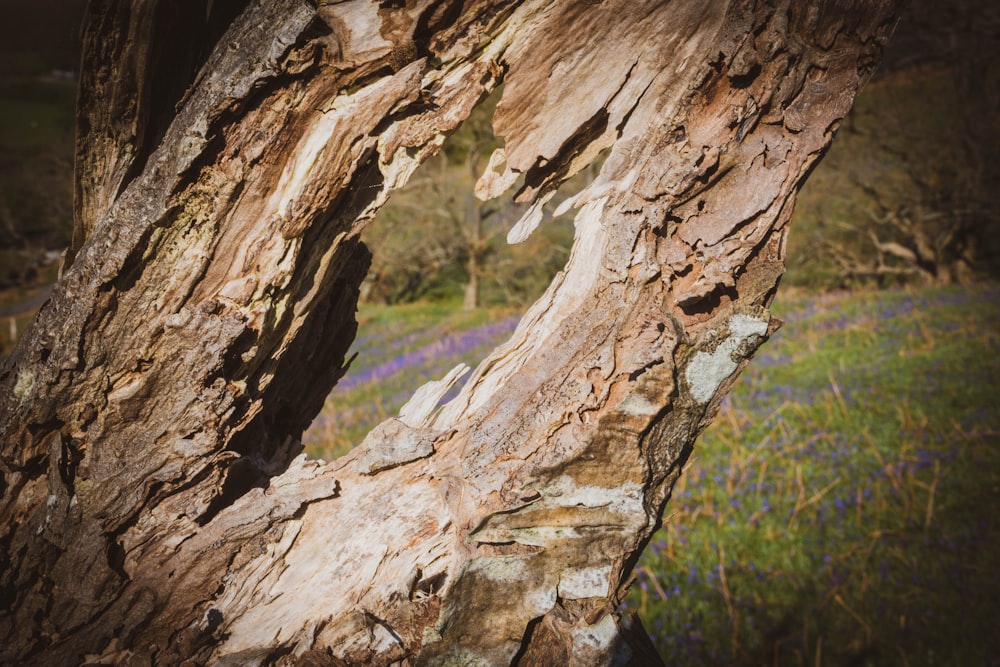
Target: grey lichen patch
pixel 507 569
pixel 583 583
pixel 25 383
pixel 638 406
pixel 600 636
pixel 625 499
pixel 708 370
pixel 744 327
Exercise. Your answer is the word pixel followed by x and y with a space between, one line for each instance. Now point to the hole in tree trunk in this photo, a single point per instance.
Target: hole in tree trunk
pixel 444 288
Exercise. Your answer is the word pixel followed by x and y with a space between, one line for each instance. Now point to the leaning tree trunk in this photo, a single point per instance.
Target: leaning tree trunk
pixel 155 506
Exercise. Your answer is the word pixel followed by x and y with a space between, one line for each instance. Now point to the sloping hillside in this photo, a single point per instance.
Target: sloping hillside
pixel 843 509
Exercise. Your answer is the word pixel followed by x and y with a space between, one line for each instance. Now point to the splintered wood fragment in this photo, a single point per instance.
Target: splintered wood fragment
pixel 393 443
pixel 420 408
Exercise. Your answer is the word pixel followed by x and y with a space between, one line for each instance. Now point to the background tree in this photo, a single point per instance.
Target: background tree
pixel 911 193
pixel 154 507
pixel 435 224
pixel 435 235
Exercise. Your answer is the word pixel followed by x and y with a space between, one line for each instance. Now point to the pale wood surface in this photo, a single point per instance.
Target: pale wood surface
pixel 155 507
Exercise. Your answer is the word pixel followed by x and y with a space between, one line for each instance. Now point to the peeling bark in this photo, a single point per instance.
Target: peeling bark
pixel 155 505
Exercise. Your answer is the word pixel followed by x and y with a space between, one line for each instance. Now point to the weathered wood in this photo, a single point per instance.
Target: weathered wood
pixel 155 506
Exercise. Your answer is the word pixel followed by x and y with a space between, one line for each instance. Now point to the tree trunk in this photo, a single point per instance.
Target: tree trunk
pixel 473 228
pixel 470 300
pixel 155 506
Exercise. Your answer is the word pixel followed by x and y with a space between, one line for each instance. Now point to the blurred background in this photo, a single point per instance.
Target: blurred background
pixel 844 507
pixel 39 58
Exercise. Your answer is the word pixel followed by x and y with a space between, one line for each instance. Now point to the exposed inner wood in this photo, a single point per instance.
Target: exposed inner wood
pixel 155 505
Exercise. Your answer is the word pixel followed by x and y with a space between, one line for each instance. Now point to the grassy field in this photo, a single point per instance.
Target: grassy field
pixel 841 511
pixel 843 508
pixel 399 348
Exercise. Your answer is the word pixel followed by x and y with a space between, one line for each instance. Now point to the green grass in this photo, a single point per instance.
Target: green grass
pixel 842 509
pixel 31 125
pixel 398 349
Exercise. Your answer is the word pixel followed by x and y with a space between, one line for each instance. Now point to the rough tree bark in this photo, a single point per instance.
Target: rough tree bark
pixel 155 507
